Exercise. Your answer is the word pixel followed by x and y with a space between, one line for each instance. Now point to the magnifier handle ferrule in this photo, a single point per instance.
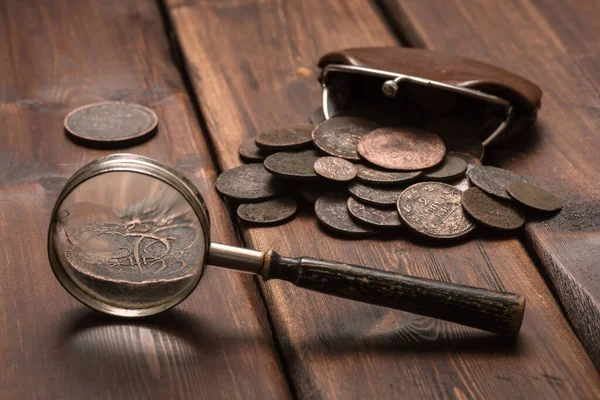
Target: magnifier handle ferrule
pixel 489 310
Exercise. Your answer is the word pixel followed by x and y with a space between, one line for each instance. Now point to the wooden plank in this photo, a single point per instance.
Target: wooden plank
pixel 261 74
pixel 555 44
pixel 217 344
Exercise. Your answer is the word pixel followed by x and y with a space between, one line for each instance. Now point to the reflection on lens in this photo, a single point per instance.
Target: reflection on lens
pixel 129 240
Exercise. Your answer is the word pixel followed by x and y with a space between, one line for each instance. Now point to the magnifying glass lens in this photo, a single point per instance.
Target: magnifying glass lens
pixel 128 244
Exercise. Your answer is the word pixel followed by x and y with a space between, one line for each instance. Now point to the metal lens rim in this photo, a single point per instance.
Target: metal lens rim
pixel 142 165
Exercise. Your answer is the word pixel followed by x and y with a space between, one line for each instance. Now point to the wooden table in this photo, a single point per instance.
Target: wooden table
pixel 217 72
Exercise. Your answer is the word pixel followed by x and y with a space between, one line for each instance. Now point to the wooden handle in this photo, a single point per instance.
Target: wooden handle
pixel 492 311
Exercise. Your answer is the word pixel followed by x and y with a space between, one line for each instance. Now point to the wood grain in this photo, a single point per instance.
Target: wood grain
pixel 261 74
pixel 555 44
pixel 217 344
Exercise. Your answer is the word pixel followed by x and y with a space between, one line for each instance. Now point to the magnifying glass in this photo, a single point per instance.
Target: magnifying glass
pixel 129 236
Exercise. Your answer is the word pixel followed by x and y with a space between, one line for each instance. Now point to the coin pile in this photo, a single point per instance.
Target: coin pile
pixel 364 178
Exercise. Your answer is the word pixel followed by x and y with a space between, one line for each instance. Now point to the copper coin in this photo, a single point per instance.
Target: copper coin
pixel 250 152
pixel 533 196
pixel 248 182
pixel 462 183
pixel 332 211
pixel 335 168
pixel 434 209
pixel 379 177
pixel 374 216
pixel 317 116
pixel 492 212
pixel 296 165
pixel 111 124
pixel 378 196
pixel 340 136
pixel 268 212
pixel 287 138
pixel 450 168
pixel 493 180
pixel 406 149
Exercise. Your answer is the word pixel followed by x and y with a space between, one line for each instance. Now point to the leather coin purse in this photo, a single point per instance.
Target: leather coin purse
pixel 391 85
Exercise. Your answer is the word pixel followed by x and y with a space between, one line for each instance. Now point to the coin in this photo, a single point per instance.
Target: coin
pixel 492 212
pixel 248 182
pixel 434 209
pixel 450 168
pixel 340 136
pixel 462 183
pixel 250 152
pixel 533 196
pixel 406 149
pixel 335 168
pixel 317 116
pixel 374 176
pixel 332 211
pixel 375 216
pixel 493 180
pixel 293 165
pixel 289 138
pixel 378 196
pixel 111 124
pixel 267 212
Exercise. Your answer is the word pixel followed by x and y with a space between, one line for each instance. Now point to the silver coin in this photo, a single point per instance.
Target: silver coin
pixel 434 209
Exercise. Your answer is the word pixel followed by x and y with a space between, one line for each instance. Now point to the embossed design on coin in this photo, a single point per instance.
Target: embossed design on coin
pixel 298 165
pixel 450 168
pixel 250 152
pixel 378 196
pixel 434 209
pixel 406 149
pixel 493 180
pixel 317 116
pixel 340 136
pixel 248 182
pixel 533 196
pixel 268 212
pixel 378 177
pixel 335 168
pixel 288 138
pixel 492 212
pixel 375 216
pixel 332 211
pixel 110 124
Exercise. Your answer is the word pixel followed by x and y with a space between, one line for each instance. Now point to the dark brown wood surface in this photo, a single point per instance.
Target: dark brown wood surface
pixel 554 43
pixel 217 344
pixel 252 65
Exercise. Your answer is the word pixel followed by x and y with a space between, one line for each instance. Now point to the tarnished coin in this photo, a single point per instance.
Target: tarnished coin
pixel 492 212
pixel 450 168
pixel 378 196
pixel 372 215
pixel 434 209
pixel 317 116
pixel 268 212
pixel 380 177
pixel 493 180
pixel 533 196
pixel 296 165
pixel 339 136
pixel 332 210
pixel 248 182
pixel 250 152
pixel 111 124
pixel 287 138
pixel 406 149
pixel 335 168
pixel 462 183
